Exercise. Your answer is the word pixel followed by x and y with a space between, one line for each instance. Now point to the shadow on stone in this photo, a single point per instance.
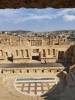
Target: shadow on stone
pixel 54 93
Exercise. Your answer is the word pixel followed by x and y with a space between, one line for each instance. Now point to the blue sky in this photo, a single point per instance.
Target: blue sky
pixel 40 20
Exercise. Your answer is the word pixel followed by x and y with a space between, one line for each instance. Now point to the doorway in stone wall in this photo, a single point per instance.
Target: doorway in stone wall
pixel 9 56
pixel 36 55
pixel 61 56
pixel 10 59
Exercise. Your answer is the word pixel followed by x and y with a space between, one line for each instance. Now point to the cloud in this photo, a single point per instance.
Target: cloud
pixel 63 12
pixel 18 17
pixel 42 14
pixel 22 15
pixel 33 17
pixel 69 17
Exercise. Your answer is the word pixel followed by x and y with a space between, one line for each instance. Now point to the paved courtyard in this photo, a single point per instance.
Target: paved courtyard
pixel 25 90
pixel 33 88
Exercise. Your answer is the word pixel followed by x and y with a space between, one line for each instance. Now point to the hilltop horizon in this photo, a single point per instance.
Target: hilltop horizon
pixel 37 31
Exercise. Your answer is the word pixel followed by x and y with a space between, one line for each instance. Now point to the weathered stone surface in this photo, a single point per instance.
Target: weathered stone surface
pixel 65 89
pixel 37 3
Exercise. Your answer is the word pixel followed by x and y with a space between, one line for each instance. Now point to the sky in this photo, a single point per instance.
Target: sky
pixel 37 20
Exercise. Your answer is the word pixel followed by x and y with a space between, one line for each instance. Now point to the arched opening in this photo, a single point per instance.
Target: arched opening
pixel 61 54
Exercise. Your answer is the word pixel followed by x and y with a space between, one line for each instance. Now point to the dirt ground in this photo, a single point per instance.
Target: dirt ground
pixel 8 91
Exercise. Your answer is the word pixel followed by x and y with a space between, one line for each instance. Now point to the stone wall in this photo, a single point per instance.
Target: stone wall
pixel 36 3
pixel 9 72
pixel 19 49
